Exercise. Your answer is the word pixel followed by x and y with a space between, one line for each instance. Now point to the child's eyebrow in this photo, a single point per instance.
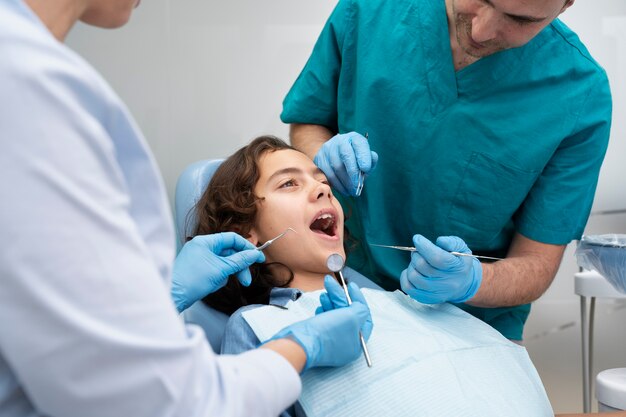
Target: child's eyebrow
pixel 293 170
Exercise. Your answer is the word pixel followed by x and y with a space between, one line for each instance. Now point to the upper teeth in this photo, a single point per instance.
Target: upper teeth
pixel 325 216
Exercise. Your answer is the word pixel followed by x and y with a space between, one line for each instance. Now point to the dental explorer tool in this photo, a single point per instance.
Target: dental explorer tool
pixel 359 187
pixel 412 249
pixel 269 242
pixel 335 263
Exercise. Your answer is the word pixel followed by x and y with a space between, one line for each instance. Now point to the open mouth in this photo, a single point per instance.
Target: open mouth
pixel 325 223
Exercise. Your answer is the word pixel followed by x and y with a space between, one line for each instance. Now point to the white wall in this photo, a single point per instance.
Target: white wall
pixel 204 77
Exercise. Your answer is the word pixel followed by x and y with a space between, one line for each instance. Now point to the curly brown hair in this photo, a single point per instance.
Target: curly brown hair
pixel 230 205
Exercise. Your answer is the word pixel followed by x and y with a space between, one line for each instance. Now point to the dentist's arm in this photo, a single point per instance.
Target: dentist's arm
pixel 309 138
pixel 522 277
pixel 436 276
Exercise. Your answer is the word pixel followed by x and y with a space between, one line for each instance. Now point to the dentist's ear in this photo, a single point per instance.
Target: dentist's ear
pixel 567 5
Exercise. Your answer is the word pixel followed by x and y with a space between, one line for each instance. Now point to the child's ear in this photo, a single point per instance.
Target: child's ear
pixel 253 237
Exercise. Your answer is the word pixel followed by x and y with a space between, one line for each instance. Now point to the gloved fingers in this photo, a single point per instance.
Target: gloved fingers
pixel 336 294
pixel 325 303
pixel 421 265
pixel 355 294
pixel 335 180
pixel 244 277
pixel 433 254
pixel 364 318
pixel 427 297
pixel 423 282
pixel 246 258
pixel 358 298
pixel 218 242
pixel 232 240
pixel 349 158
pixel 374 160
pixel 338 177
pixel 340 162
pixel 240 261
pixel 420 289
pixel 323 162
pixel 362 152
pixel 452 244
pixel 405 284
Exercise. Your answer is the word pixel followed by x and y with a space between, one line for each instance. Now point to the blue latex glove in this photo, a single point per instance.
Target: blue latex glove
pixel 331 337
pixel 342 158
pixel 205 262
pixel 436 276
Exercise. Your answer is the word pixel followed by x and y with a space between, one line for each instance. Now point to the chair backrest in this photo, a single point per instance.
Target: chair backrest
pixel 189 188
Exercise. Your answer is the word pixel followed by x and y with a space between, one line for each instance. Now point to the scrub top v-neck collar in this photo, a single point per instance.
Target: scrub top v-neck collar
pixel 445 85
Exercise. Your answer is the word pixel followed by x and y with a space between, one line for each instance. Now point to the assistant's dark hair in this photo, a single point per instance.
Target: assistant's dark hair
pixel 230 205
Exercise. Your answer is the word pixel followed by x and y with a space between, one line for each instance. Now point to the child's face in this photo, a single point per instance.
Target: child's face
pixel 297 195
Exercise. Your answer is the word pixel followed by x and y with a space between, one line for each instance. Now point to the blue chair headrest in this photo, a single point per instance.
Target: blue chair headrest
pixel 189 188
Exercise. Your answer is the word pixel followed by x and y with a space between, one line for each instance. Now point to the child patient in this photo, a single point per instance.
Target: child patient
pixel 427 360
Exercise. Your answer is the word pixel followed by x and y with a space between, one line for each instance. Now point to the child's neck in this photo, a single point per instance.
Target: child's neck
pixel 308 281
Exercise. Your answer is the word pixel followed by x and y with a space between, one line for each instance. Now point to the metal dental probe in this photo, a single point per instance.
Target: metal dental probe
pixel 269 242
pixel 335 263
pixel 412 249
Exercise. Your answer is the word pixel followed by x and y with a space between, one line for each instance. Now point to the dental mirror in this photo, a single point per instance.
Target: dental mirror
pixel 335 262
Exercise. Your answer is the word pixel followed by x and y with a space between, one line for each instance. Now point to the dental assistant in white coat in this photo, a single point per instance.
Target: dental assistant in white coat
pixel 88 320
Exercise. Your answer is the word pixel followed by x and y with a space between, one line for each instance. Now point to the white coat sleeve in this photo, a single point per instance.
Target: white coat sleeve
pixel 87 326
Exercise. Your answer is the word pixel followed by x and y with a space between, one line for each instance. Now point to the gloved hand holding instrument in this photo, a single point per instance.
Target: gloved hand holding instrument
pixel 331 337
pixel 436 276
pixel 346 159
pixel 205 263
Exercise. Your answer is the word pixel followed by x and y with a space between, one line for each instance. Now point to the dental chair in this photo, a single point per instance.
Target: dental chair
pixel 189 188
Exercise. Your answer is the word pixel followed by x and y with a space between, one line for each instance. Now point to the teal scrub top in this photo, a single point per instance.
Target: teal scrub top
pixel 511 143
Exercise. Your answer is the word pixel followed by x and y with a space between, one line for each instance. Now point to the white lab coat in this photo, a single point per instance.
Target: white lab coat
pixel 87 327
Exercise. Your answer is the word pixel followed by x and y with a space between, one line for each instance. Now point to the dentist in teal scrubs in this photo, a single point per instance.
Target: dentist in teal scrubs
pixel 487 124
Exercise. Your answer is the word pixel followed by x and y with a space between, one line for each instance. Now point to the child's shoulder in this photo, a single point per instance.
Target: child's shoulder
pixel 237 317
pixel 238 335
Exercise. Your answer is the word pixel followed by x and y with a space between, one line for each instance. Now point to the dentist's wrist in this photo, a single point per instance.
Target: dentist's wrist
pixel 289 349
pixel 476 281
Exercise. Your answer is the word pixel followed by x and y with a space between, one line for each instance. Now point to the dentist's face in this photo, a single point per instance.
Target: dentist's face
pixel 108 13
pixel 484 27
pixel 296 194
